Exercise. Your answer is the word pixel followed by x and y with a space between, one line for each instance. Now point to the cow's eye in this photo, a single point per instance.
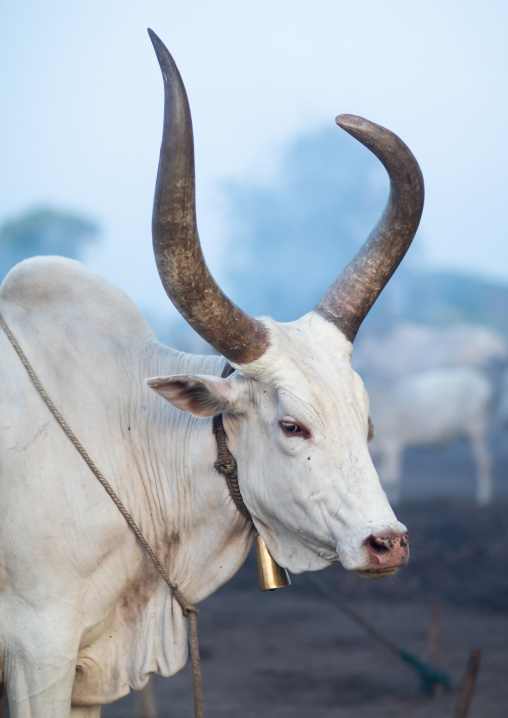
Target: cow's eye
pixel 292 429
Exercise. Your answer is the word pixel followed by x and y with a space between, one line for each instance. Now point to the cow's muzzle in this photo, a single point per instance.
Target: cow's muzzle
pixel 385 554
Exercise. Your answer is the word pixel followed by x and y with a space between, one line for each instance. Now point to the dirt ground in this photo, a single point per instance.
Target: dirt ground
pixel 292 653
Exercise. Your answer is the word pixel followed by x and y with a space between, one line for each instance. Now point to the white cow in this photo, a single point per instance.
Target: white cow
pixel 430 409
pixel 84 616
pixel 410 348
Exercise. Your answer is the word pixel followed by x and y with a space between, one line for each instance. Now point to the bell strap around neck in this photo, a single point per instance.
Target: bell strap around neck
pixel 226 463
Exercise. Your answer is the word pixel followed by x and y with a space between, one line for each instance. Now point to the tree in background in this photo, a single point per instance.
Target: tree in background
pixel 44 231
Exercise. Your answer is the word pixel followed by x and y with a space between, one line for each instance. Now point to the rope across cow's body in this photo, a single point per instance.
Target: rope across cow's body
pixel 189 610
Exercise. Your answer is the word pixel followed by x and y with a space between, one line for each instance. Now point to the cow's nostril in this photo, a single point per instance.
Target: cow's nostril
pixel 378 545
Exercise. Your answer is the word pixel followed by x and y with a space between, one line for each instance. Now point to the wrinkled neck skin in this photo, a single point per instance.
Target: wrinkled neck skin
pixel 194 523
pixel 314 500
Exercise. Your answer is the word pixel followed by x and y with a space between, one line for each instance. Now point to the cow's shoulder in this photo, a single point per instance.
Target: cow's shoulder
pixel 61 292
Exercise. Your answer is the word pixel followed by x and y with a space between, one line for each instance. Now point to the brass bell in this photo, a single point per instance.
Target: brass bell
pixel 270 574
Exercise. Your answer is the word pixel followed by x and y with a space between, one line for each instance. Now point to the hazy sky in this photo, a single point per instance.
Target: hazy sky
pixel 81 110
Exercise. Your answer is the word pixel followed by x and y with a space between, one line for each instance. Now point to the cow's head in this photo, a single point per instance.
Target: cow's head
pixel 296 412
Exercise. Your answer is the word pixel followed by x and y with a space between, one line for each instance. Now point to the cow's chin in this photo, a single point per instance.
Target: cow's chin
pixel 373 573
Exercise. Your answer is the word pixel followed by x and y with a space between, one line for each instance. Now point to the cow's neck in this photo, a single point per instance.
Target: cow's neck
pixel 198 531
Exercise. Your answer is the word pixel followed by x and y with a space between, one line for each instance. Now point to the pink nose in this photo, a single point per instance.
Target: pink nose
pixel 389 551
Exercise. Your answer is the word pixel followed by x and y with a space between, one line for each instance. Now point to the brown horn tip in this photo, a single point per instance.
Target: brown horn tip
pixel 164 57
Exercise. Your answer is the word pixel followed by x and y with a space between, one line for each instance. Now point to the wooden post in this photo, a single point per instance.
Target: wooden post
pixel 468 684
pixel 146 702
pixel 436 642
pixel 3 702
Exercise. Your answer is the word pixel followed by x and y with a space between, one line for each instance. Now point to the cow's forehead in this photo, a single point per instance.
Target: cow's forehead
pixel 303 357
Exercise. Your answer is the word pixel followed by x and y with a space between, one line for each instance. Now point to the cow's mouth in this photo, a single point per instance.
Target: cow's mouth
pixel 373 573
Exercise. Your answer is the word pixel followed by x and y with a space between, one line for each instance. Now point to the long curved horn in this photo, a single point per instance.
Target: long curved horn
pixel 182 268
pixel 349 299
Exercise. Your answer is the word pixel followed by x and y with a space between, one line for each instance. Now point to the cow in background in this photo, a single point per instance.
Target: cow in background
pixel 410 348
pixel 429 409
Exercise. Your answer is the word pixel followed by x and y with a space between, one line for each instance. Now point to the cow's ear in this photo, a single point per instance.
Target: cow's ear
pixel 203 396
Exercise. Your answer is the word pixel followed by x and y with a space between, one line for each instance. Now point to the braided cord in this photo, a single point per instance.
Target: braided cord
pixel 188 609
pixel 226 462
